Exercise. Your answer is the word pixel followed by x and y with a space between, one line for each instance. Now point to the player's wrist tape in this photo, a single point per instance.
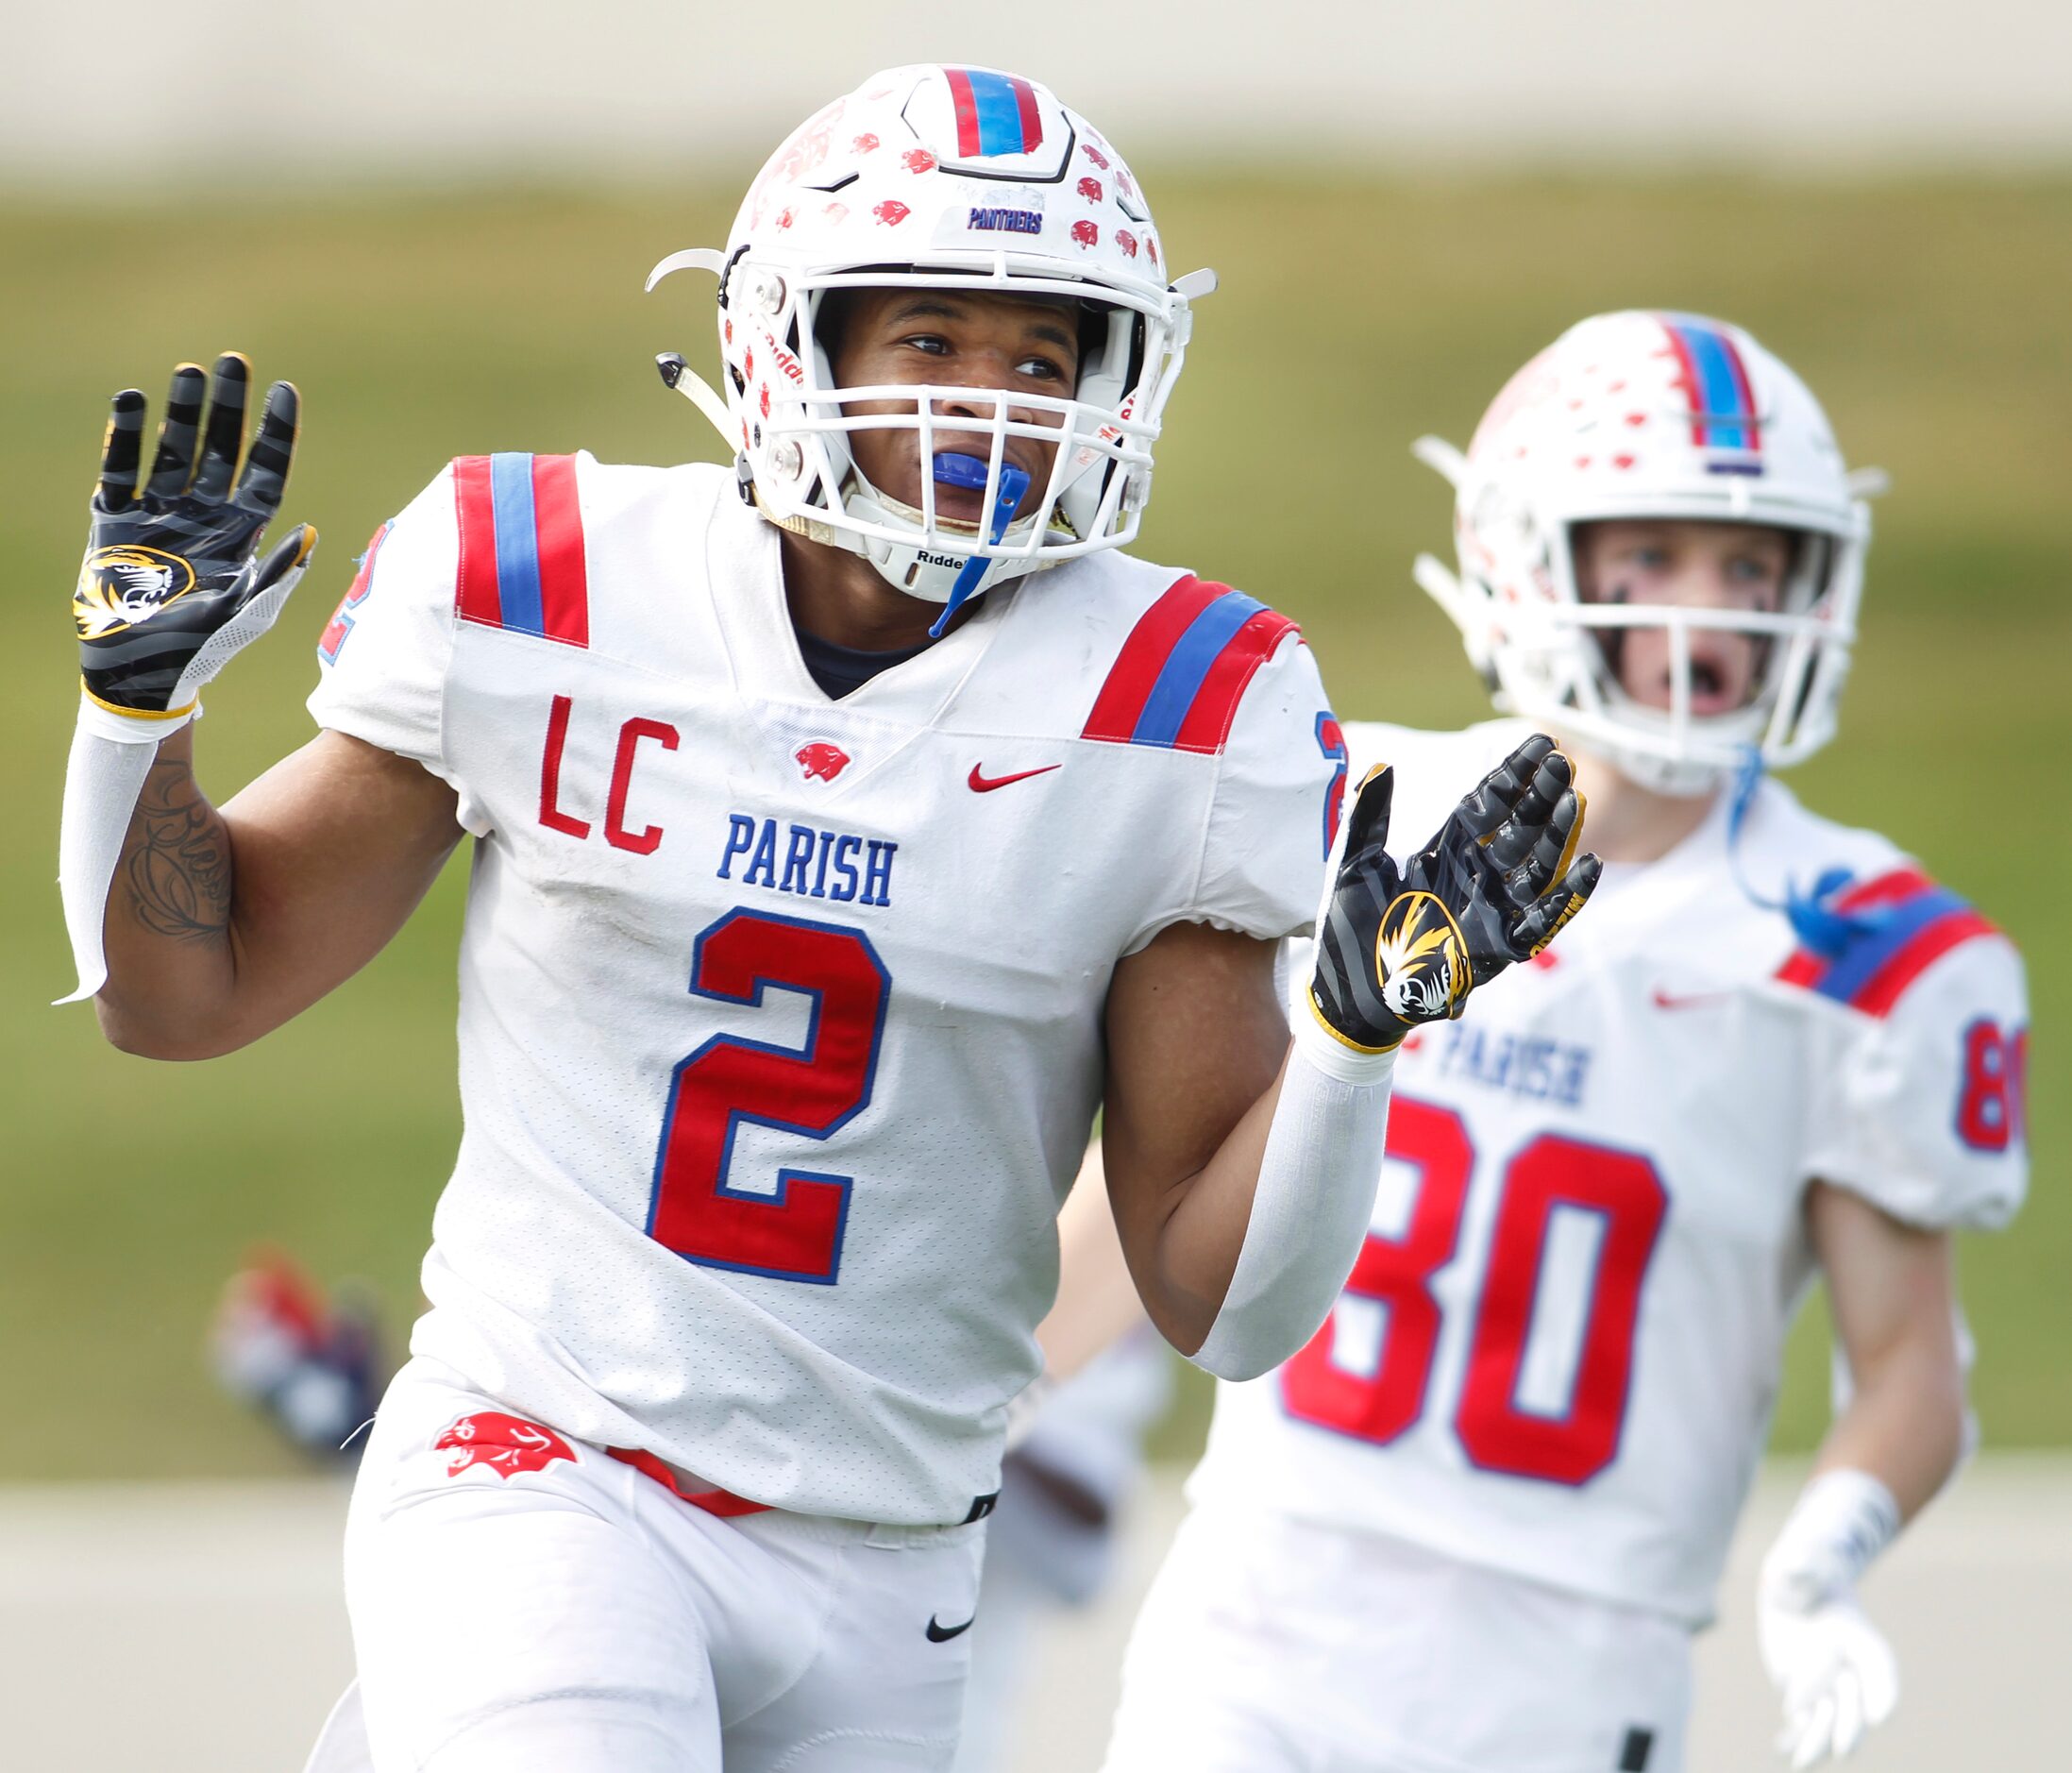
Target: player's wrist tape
pixel 1309 1213
pixel 112 754
pixel 1841 1521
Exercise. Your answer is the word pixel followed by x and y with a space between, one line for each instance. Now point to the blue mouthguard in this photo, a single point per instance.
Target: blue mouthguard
pixel 954 469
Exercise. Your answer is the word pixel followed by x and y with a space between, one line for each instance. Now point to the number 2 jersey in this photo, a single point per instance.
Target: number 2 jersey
pixel 780 1017
pixel 1558 1350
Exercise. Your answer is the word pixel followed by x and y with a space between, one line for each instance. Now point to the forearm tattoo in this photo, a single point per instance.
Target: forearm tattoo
pixel 178 866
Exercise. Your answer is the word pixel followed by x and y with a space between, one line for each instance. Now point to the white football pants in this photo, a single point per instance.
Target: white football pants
pixel 1269 1645
pixel 570 1614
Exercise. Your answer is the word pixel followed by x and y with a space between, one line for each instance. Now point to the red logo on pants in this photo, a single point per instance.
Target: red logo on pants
pixel 504 1443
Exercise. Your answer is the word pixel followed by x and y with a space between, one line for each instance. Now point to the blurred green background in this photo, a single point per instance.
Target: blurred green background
pixel 1930 318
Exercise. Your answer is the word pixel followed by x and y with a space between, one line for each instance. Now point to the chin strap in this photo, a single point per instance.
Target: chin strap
pixel 953 469
pixel 1815 920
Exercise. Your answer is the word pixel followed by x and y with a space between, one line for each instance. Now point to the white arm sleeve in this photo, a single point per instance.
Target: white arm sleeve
pixel 1310 1213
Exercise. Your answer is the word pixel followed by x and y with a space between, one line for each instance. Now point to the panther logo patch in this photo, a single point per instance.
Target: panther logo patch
pixel 1421 959
pixel 506 1445
pixel 119 586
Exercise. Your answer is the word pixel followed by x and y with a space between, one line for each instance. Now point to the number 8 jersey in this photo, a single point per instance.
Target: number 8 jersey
pixel 1558 1350
pixel 780 1017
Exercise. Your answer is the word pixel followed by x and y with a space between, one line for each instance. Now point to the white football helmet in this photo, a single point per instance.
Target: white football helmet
pixel 939 177
pixel 1640 415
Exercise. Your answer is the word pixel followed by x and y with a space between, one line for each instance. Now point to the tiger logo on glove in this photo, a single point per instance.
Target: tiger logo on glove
pixel 119 586
pixel 1421 959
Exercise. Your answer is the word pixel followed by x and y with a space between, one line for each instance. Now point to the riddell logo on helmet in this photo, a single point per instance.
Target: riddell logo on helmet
pixel 507 1444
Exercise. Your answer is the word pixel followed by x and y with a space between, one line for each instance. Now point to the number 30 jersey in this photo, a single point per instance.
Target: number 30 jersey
pixel 780 1017
pixel 1558 1350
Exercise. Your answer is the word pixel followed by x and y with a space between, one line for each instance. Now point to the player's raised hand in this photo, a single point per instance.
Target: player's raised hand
pixel 1400 946
pixel 172 586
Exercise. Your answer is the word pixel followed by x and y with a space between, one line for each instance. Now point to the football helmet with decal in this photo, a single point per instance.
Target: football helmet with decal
pixel 1640 415
pixel 962 178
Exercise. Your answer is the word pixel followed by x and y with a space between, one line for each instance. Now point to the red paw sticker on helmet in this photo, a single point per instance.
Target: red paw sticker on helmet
pixel 1095 155
pixel 891 212
pixel 1127 240
pixel 818 761
pixel 864 144
pixel 918 161
pixel 507 1444
pixel 1090 190
pixel 1087 234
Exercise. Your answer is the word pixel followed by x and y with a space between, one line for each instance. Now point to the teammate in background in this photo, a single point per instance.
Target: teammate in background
pixel 312 1366
pixel 829 868
pixel 1474 1523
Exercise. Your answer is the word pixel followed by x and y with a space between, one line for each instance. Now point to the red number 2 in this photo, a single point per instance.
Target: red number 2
pixel 795 1233
pixel 1495 1430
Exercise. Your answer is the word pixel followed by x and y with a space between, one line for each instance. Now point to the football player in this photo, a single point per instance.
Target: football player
pixel 1475 1521
pixel 848 824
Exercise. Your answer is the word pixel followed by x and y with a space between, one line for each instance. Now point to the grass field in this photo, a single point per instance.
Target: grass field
pixel 1352 317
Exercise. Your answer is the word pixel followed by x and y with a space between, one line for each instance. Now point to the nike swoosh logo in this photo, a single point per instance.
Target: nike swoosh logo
pixel 1665 999
pixel 942 1635
pixel 985 785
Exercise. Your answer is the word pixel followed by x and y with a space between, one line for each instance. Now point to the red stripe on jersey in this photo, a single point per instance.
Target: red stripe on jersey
pixel 1121 702
pixel 557 522
pixel 475 595
pixel 1889 983
pixel 1885 890
pixel 1215 709
pixel 721 1502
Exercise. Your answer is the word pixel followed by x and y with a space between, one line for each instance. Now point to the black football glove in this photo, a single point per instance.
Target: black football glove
pixel 170 586
pixel 1397 947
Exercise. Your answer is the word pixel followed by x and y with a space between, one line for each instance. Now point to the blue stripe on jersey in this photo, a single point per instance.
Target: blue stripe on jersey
pixel 1888 931
pixel 1719 393
pixel 517 544
pixel 1180 678
pixel 999 113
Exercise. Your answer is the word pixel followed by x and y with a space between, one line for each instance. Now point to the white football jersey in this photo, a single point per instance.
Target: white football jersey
pixel 1558 1352
pixel 780 1017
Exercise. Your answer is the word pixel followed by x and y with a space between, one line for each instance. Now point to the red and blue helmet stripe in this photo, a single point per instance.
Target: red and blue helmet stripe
pixel 1723 402
pixel 996 114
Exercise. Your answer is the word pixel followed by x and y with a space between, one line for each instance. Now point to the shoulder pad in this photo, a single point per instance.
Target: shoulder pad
pixel 1897 924
pixel 1178 679
pixel 521 565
